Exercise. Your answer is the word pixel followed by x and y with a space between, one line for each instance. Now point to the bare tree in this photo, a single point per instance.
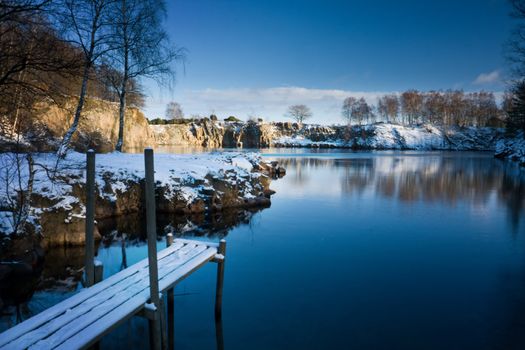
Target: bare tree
pixel 34 62
pixel 434 107
pixel 143 49
pixel 515 50
pixel 364 111
pixel 299 113
pixel 388 107
pixel 382 108
pixel 392 107
pixel 20 23
pixel 485 108
pixel 17 177
pixel 411 105
pixel 357 110
pixel 506 103
pixel 174 111
pixel 349 108
pixel 86 25
pixel 456 108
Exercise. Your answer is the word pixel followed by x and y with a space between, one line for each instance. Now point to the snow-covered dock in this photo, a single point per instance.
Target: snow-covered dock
pixel 82 320
pixel 78 322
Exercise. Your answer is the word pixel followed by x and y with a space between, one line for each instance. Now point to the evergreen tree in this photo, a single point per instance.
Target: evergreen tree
pixel 516 120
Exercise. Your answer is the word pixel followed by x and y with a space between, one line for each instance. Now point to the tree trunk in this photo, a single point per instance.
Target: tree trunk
pixel 88 56
pixel 123 88
pixel 64 145
pixel 25 198
pixel 121 116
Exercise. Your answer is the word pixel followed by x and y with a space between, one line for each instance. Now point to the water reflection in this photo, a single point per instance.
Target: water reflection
pixel 123 240
pixel 476 180
pixel 408 250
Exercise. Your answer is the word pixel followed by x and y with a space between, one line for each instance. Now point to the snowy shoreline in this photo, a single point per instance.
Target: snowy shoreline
pixel 384 136
pixel 185 184
pixel 512 148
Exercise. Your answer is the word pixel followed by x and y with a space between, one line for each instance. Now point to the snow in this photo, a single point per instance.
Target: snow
pixel 6 222
pixel 184 176
pixel 242 162
pixel 394 136
pixel 512 148
pixel 301 141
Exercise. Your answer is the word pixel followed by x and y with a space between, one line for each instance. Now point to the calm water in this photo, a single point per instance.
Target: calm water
pixel 378 250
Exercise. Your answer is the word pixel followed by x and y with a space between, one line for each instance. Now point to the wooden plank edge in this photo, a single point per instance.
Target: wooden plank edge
pixel 109 322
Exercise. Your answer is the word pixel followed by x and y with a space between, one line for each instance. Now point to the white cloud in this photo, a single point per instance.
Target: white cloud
pixel 488 78
pixel 269 103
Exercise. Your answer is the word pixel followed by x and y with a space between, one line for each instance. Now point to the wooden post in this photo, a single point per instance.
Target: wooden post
pixel 219 338
pixel 155 330
pixel 99 271
pixel 171 305
pixel 169 239
pixel 90 218
pixel 164 329
pixel 220 279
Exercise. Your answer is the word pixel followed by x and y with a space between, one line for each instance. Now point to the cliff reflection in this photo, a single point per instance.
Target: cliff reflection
pixel 61 270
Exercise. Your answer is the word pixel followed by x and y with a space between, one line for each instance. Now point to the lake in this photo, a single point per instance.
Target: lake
pixel 359 250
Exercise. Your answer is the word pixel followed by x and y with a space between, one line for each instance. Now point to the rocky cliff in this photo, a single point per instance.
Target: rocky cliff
pixel 278 134
pixel 210 134
pixel 98 128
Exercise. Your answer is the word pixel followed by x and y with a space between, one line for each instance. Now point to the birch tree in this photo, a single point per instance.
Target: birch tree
pixel 86 25
pixel 143 49
pixel 348 109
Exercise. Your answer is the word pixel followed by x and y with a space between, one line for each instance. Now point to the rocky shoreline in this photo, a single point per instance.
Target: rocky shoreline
pixel 99 129
pixel 512 148
pixel 186 185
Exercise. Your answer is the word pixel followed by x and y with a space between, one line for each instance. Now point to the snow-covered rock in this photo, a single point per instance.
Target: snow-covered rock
pixel 512 148
pixel 393 136
pixel 185 184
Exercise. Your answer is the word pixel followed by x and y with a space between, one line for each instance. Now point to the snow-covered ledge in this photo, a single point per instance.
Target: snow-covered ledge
pixel 186 184
pixel 512 148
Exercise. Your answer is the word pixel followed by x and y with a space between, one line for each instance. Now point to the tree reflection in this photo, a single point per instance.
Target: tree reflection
pixel 432 178
pixel 63 266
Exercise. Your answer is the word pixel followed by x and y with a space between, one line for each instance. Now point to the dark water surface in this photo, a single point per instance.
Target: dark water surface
pixel 382 250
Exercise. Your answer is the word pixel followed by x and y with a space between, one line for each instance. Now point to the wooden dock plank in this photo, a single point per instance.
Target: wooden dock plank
pixel 121 295
pixel 112 320
pixel 107 305
pixel 56 310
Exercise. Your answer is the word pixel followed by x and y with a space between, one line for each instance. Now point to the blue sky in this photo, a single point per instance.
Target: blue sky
pixel 257 57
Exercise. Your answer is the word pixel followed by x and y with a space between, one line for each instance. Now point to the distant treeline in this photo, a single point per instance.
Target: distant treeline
pixel 194 119
pixel 451 107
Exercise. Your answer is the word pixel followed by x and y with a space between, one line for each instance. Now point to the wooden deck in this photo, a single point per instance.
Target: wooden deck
pixel 81 320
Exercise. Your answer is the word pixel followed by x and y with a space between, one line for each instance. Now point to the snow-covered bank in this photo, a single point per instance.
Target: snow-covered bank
pixel 392 136
pixel 512 148
pixel 186 184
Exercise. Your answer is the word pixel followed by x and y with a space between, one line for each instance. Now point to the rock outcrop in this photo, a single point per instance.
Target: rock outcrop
pixel 392 136
pixel 98 128
pixel 512 148
pixel 212 134
pixel 278 134
pixel 185 185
